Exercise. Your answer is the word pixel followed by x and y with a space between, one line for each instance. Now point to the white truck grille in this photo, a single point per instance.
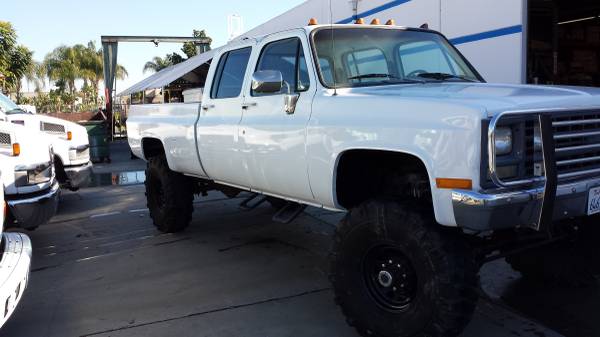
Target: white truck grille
pixel 52 128
pixel 5 138
pixel 577 142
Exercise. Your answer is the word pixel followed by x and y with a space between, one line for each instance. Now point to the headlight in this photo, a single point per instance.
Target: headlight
pixel 504 141
pixel 38 175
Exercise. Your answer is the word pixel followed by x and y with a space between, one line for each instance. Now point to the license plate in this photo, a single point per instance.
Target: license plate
pixel 594 201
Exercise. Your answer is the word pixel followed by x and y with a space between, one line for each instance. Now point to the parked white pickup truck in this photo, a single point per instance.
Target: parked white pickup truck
pixel 439 171
pixel 15 259
pixel 30 186
pixel 69 140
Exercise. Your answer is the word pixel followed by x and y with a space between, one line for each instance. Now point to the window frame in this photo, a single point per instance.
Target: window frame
pixel 299 47
pixel 218 76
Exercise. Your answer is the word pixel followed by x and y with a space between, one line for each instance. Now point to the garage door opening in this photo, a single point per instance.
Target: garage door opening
pixel 564 42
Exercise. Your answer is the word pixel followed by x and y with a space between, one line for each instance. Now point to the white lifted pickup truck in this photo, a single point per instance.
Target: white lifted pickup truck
pixel 69 141
pixel 15 259
pixel 438 171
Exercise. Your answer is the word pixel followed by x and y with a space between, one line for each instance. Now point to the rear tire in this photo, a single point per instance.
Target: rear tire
pixel 396 272
pixel 169 196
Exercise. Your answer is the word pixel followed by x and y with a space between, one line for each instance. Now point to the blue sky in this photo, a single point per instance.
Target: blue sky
pixel 43 25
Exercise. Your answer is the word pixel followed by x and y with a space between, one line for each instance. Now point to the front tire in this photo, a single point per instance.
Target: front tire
pixel 395 272
pixel 169 196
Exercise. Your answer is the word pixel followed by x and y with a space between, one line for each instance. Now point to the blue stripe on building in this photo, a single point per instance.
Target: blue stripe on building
pixel 375 10
pixel 456 41
pixel 487 35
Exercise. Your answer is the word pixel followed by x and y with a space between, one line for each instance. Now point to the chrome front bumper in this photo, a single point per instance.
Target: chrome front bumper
pixel 499 209
pixel 14 272
pixel 78 175
pixel 31 211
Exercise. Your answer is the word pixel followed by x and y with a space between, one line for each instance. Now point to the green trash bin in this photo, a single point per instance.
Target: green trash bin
pixel 98 137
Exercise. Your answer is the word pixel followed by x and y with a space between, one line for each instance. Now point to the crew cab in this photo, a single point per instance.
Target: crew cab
pixel 29 182
pixel 437 170
pixel 15 260
pixel 69 140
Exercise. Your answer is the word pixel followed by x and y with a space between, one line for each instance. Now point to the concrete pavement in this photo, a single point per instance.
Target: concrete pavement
pixel 101 269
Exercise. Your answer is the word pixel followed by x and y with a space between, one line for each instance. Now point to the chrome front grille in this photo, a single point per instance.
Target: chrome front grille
pixel 52 128
pixel 5 138
pixel 577 144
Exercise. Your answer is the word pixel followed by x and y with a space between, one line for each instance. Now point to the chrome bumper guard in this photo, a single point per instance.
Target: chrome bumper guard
pixel 534 203
pixel 33 211
pixel 14 272
pixel 78 175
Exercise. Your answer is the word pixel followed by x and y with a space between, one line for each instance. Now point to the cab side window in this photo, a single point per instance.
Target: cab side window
pixel 286 56
pixel 229 76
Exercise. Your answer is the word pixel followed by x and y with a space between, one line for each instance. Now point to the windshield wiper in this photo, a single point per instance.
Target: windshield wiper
pixel 360 77
pixel 16 111
pixel 444 76
pixel 389 76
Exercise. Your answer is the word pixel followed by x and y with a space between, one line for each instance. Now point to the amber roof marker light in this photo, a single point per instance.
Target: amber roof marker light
pixel 375 22
pixel 390 22
pixel 313 22
pixel 359 21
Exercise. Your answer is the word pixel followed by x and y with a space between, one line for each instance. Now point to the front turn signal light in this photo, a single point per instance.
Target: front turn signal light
pixel 449 183
pixel 69 135
pixel 16 149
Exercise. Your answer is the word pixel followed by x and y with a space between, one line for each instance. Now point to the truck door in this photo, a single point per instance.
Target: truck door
pixel 220 115
pixel 273 127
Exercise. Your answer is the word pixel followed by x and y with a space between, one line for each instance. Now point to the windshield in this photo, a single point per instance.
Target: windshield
pixel 7 106
pixel 376 56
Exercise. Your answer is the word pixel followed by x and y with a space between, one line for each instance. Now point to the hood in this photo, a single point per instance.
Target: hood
pixel 490 99
pixel 57 128
pixel 35 149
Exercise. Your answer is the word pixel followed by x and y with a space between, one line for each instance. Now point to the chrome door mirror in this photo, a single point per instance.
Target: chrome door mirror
pixel 267 81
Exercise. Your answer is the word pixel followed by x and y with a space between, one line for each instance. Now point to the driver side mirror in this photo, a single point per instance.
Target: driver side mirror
pixel 267 81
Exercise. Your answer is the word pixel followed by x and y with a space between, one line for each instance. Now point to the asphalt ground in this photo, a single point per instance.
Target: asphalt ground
pixel 101 269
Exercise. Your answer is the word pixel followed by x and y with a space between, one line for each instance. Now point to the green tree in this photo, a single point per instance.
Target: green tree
pixel 21 60
pixel 189 48
pixel 157 64
pixel 15 60
pixel 8 41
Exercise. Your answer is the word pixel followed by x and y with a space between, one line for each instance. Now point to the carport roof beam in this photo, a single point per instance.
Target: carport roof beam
pixel 154 39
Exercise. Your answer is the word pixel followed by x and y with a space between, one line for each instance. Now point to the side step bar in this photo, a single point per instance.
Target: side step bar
pixel 289 212
pixel 252 202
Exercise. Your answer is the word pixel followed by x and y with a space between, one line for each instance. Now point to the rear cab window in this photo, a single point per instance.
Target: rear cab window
pixel 229 76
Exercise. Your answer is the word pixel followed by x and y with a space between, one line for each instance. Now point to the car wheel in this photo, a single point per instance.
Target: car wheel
pixel 396 272
pixel 169 196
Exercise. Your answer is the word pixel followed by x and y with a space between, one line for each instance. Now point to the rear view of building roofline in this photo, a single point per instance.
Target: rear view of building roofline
pixel 437 170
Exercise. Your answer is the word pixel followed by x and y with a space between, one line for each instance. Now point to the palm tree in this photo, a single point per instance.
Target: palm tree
pixel 157 64
pixel 63 64
pixel 36 74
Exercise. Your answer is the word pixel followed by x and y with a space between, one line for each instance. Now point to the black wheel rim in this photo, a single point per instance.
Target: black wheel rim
pixel 390 277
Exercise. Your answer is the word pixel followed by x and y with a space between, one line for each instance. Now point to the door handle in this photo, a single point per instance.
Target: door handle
pixel 208 107
pixel 249 104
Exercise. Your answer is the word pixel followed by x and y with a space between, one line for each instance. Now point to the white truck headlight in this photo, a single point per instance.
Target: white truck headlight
pixel 504 141
pixel 32 176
